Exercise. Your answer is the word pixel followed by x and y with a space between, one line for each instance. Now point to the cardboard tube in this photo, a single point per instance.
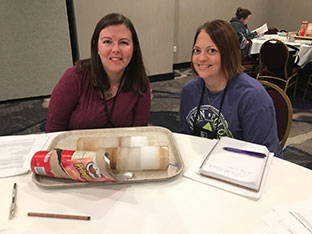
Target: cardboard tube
pixel 111 154
pixel 163 157
pixel 104 165
pixel 56 168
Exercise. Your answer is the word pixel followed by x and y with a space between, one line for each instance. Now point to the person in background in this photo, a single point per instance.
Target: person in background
pixel 222 100
pixel 110 89
pixel 239 23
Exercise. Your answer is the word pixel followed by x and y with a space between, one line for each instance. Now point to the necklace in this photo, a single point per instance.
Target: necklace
pixel 109 94
pixel 212 94
pixel 197 130
pixel 109 114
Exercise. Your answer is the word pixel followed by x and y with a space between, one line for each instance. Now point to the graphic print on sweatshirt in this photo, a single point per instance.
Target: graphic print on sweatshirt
pixel 207 119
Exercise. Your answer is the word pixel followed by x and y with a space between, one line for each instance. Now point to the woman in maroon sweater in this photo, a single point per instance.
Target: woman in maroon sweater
pixel 110 89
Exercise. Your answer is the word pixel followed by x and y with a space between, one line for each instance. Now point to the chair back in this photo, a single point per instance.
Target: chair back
pixel 271 30
pixel 275 65
pixel 283 110
pixel 244 45
pixel 274 55
pixel 309 83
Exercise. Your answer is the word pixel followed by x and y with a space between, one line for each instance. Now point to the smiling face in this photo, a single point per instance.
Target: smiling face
pixel 206 57
pixel 115 48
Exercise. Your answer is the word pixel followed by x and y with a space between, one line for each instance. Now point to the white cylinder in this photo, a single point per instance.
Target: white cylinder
pixel 132 141
pixel 142 158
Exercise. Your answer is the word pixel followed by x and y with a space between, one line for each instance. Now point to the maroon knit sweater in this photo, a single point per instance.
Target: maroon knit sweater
pixel 75 104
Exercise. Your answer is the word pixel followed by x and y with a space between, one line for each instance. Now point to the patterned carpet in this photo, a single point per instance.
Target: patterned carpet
pixel 22 117
pixel 299 143
pixel 28 116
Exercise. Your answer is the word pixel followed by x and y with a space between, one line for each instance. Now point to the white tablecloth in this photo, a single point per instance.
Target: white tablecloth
pixel 177 206
pixel 304 46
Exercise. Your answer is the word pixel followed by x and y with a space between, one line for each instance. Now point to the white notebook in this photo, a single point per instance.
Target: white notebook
pixel 242 168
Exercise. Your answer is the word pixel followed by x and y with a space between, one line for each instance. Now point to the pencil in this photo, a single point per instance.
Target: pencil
pixel 59 216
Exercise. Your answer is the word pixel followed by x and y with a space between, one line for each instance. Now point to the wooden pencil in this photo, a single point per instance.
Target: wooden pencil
pixel 59 216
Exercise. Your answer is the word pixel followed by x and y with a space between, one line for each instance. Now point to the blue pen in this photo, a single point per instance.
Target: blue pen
pixel 247 152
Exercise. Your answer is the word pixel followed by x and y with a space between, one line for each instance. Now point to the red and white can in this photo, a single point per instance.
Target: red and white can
pixel 40 163
pixel 303 28
pixel 71 164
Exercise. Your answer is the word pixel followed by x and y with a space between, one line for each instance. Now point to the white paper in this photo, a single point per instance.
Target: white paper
pixel 192 173
pixel 276 224
pixel 17 151
pixel 236 167
pixel 263 28
pixel 295 218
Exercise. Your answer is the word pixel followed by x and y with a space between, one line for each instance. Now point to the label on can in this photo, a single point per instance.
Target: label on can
pixel 81 166
pixel 77 165
pixel 40 163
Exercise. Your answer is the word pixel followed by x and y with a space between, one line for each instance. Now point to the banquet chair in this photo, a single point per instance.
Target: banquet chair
pixel 309 83
pixel 271 30
pixel 275 65
pixel 251 65
pixel 283 110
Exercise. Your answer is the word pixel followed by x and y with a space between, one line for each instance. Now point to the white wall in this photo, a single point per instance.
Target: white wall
pixel 283 14
pixel 153 21
pixel 34 47
pixel 191 14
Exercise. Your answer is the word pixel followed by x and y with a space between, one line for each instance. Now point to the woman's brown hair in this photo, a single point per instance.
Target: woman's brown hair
pixel 242 13
pixel 224 36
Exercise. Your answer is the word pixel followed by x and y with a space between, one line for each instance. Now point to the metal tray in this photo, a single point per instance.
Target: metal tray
pixel 156 136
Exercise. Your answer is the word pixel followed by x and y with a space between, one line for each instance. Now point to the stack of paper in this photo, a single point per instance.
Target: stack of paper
pixel 237 162
pixel 295 218
pixel 263 29
pixel 196 168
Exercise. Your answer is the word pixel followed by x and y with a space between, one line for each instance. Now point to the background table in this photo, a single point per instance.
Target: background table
pixel 179 205
pixel 304 46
